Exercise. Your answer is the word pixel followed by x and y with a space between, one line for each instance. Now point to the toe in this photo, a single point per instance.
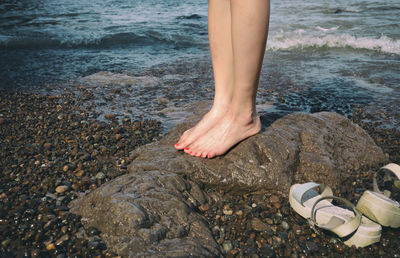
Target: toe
pixel 179 146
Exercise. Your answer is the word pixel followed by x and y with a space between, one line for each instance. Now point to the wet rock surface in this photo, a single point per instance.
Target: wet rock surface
pixel 149 214
pixel 138 214
pixel 299 147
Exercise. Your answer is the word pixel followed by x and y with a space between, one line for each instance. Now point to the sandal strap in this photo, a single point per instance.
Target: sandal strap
pixel 344 229
pixel 391 167
pixel 301 190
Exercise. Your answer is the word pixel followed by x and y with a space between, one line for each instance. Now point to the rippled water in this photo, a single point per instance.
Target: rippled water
pixel 321 55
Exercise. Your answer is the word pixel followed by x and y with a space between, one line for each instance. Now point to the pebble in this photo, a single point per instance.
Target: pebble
pixel 204 207
pixel 285 225
pixel 274 199
pixel 100 175
pixel 109 116
pixel 227 210
pixel 258 225
pixel 311 246
pixel 62 239
pixel 267 251
pixel 50 246
pixel 47 145
pixel 239 213
pixel 61 188
pixel 227 246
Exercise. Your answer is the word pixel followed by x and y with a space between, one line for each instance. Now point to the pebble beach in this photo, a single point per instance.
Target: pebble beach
pixel 52 151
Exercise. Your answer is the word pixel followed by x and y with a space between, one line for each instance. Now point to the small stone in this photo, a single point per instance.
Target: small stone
pixel 311 246
pixel 65 168
pixel 285 225
pixel 267 251
pixel 35 253
pixel 62 239
pixel 117 137
pixel 269 221
pixel 339 247
pixel 92 231
pixel 274 199
pixel 109 116
pixel 204 207
pixel 254 205
pixel 297 229
pixel 5 242
pixel 1 121
pixel 47 145
pixel 79 173
pixel 227 210
pixel 258 225
pixel 61 188
pixel 227 246
pixel 277 205
pixel 100 175
pixel 50 246
pixel 239 213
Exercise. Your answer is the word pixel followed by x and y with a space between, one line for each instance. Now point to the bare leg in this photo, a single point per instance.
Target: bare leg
pixel 250 20
pixel 219 30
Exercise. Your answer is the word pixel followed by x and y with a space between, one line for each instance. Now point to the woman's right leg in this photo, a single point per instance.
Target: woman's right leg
pixel 219 33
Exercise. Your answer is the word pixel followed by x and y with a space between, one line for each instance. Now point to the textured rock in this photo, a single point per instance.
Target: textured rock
pixel 149 214
pixel 152 210
pixel 319 147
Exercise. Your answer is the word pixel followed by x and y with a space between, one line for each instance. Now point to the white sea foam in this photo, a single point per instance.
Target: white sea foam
pixel 284 41
pixel 327 29
pixel 375 87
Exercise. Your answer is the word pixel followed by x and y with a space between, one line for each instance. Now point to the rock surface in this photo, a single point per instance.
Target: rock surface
pixel 299 147
pixel 149 214
pixel 153 210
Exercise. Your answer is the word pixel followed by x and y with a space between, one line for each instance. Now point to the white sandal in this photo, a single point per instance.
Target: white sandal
pixel 320 212
pixel 377 205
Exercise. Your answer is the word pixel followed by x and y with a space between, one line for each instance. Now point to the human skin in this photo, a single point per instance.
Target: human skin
pixel 238 32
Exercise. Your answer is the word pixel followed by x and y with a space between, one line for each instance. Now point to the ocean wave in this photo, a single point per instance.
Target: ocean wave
pixel 109 40
pixel 298 40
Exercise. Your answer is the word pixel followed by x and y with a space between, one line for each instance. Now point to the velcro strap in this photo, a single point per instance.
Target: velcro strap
pixel 341 230
pixel 301 190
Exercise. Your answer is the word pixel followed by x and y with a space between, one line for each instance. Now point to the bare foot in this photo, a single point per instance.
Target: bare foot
pixel 206 123
pixel 229 131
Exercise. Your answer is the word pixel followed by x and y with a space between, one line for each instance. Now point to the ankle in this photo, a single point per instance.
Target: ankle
pixel 244 118
pixel 220 107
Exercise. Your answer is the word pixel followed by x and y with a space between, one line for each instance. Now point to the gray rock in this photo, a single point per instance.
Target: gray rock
pixel 320 147
pixel 150 212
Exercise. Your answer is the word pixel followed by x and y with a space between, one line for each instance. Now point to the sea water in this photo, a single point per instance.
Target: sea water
pixel 321 55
